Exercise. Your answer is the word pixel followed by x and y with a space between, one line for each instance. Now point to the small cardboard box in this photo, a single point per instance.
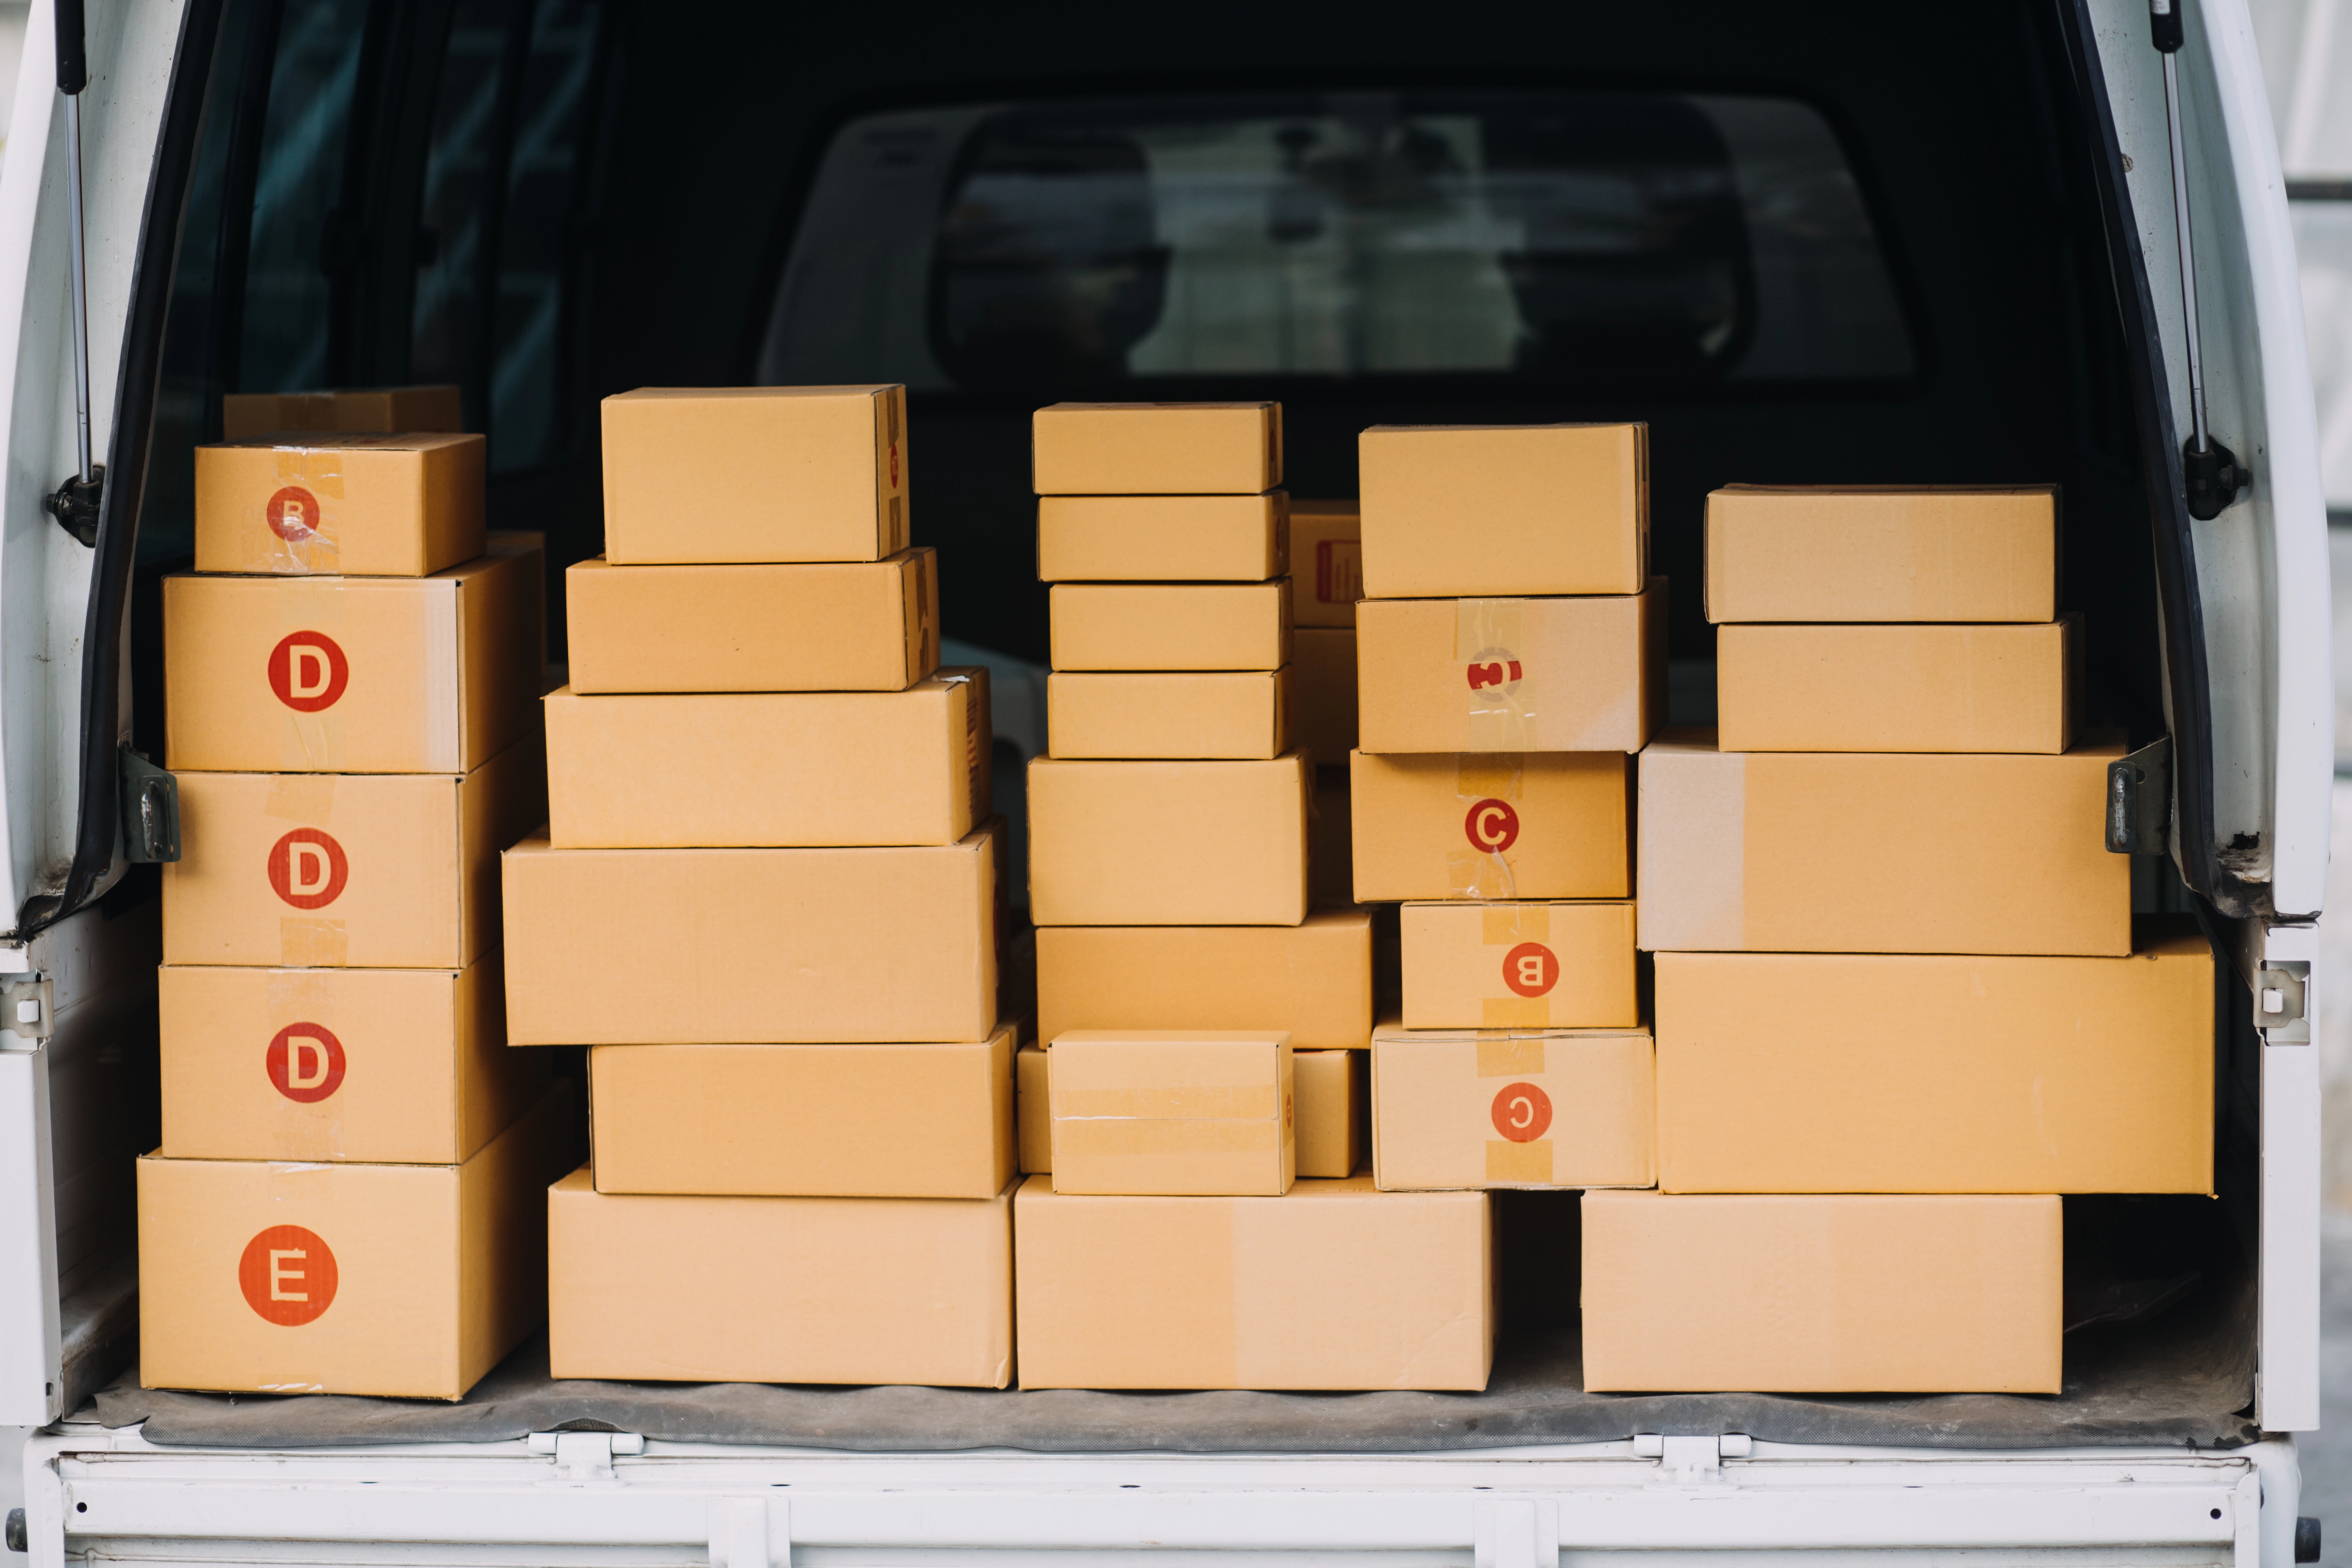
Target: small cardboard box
pixel 1167 843
pixel 1238 714
pixel 1923 688
pixel 812 1120
pixel 755 946
pixel 754 474
pixel 397 1067
pixel 1884 553
pixel 1033 1110
pixel 1822 1295
pixel 352 410
pixel 1479 824
pixel 405 1280
pixel 736 1290
pixel 776 768
pixel 326 870
pixel 1450 510
pixel 380 675
pixel 2014 1075
pixel 377 506
pixel 1312 981
pixel 1334 1096
pixel 1864 852
pixel 863 626
pixel 1172 625
pixel 1163 539
pixel 1537 965
pixel 1172 1112
pixel 1323 691
pixel 1455 1109
pixel 1335 1286
pixel 1327 562
pixel 1156 448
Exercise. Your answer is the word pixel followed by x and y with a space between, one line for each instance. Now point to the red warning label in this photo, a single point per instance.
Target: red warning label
pixel 1531 969
pixel 1491 826
pixel 306 869
pixel 1522 1113
pixel 287 1275
pixel 293 514
pixel 307 671
pixel 305 1062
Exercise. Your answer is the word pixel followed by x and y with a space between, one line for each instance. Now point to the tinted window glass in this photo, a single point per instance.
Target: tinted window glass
pixel 463 174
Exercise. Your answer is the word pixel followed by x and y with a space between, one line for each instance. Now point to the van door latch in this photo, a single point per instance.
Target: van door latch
pixel 2139 800
pixel 151 811
pixel 2281 1003
pixel 25 1007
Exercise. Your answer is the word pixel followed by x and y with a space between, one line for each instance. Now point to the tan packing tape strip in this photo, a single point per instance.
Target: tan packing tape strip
pixel 1500 685
pixel 1511 924
pixel 1520 1165
pixel 1510 1054
pixel 320 471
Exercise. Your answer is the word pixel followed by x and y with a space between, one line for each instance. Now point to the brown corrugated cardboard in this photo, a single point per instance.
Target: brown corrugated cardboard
pixel 818 945
pixel 1172 1112
pixel 1327 562
pixel 431 675
pixel 1482 825
pixel 867 626
pixel 734 1289
pixel 1898 688
pixel 1861 852
pixel 324 871
pixel 1177 714
pixel 1167 843
pixel 1452 510
pixel 1518 965
pixel 1033 1110
pixel 1335 1286
pixel 1886 553
pixel 770 769
pixel 1334 1096
pixel 813 1121
pixel 755 474
pixel 244 414
pixel 1330 870
pixel 406 1280
pixel 2012 1075
pixel 1511 675
pixel 1156 448
pixel 391 506
pixel 1172 625
pixel 404 1066
pixel 1163 539
pixel 1537 1108
pixel 1313 981
pixel 1323 691
pixel 1822 1295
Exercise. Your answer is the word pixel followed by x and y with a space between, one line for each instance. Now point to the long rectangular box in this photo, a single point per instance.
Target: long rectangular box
pixel 1525 964
pixel 1172 1112
pixel 1163 539
pixel 1167 843
pixel 1545 824
pixel 1553 509
pixel 1331 1092
pixel 1924 688
pixel 389 506
pixel 1323 693
pixel 244 414
pixel 745 1289
pixel 1313 981
pixel 1156 448
pixel 1335 1286
pixel 1883 552
pixel 1176 715
pixel 1327 562
pixel 1544 1108
pixel 1823 1294
pixel 1172 625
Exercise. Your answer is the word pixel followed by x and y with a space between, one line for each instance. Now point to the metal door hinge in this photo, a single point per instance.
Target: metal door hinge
pixel 25 1006
pixel 1692 1460
pixel 587 1456
pixel 2139 800
pixel 151 811
pixel 2282 996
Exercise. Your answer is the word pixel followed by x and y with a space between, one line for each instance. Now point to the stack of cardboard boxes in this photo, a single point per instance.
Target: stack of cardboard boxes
pixel 1326 579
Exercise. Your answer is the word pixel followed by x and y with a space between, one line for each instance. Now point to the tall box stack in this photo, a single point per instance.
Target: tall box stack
pixel 346 1196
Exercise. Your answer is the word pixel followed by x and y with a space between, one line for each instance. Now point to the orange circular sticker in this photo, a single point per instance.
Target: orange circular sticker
pixel 306 869
pixel 1522 1113
pixel 293 514
pixel 1531 969
pixel 287 1275
pixel 307 671
pixel 1492 827
pixel 305 1062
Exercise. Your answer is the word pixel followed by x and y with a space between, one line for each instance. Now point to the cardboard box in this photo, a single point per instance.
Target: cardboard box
pixel 734 1289
pixel 754 474
pixel 1172 1112
pixel 1033 1109
pixel 1861 852
pixel 1167 843
pixel 770 769
pixel 1898 688
pixel 1172 625
pixel 752 946
pixel 1519 965
pixel 1156 448
pixel 244 414
pixel 1465 1108
pixel 1163 539
pixel 397 1067
pixel 1327 562
pixel 405 1280
pixel 1334 1096
pixel 1177 714
pixel 389 506
pixel 2012 1075
pixel 1323 691
pixel 1822 1295
pixel 1335 1286
pixel 1881 552
pixel 1330 870
pixel 417 675
pixel 855 1121
pixel 325 871
pixel 867 625
pixel 1480 825
pixel 1453 511
pixel 1313 981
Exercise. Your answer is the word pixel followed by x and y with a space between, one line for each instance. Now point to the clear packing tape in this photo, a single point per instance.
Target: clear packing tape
pixel 1490 786
pixel 1499 685
pixel 298 514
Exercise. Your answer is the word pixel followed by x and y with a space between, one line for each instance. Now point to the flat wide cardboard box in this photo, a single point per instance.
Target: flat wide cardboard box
pixel 1156 448
pixel 1482 825
pixel 1172 1112
pixel 1172 625
pixel 1167 843
pixel 1335 1286
pixel 776 768
pixel 1822 1295
pixel 2005 1075
pixel 352 675
pixel 1323 691
pixel 752 946
pixel 754 474
pixel 857 626
pixel 400 1067
pixel 1927 688
pixel 1238 714
pixel 1528 965
pixel 1032 1109
pixel 738 1289
pixel 1541 1107
pixel 1163 539
pixel 1511 675
pixel 1312 981
pixel 244 414
pixel 326 870
pixel 389 506
pixel 1886 553
pixel 1333 1090
pixel 403 1281
pixel 1327 562
pixel 1553 509
pixel 808 1121
pixel 1861 852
